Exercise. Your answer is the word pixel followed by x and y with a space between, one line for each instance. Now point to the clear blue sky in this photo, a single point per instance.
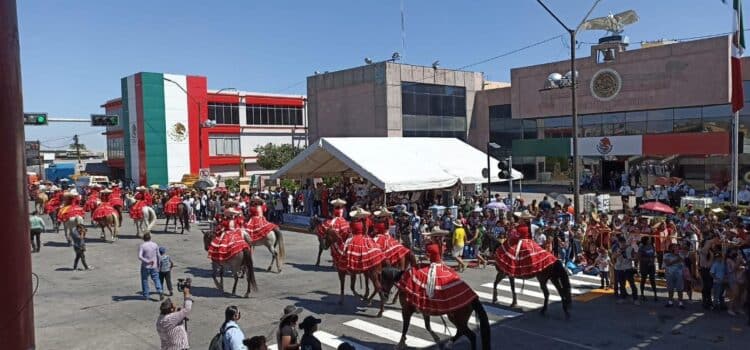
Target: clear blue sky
pixel 75 52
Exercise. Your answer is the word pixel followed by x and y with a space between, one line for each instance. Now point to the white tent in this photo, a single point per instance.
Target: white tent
pixel 394 164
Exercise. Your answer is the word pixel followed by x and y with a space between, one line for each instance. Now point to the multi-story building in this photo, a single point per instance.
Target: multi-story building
pixel 663 109
pixel 163 132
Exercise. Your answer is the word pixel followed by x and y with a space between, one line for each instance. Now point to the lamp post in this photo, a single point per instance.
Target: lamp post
pixel 490 146
pixel 573 104
pixel 208 123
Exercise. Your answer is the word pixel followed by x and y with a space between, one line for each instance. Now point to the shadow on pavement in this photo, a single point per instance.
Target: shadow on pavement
pixel 209 292
pixel 63 269
pixel 310 267
pixel 55 244
pixel 128 298
pixel 329 305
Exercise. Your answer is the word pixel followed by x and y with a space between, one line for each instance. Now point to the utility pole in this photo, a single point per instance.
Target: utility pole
pixel 78 148
pixel 41 161
pixel 510 181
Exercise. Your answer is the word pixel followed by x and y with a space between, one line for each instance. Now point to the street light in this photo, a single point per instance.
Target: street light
pixel 574 108
pixel 490 145
pixel 208 123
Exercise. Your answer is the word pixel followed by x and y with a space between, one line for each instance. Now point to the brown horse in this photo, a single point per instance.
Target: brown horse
pixel 238 263
pixel 112 223
pixel 40 200
pixel 182 216
pixel 323 244
pixel 372 275
pixel 459 318
pixel 555 273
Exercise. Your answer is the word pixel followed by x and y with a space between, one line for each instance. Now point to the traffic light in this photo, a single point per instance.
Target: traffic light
pixel 103 120
pixel 504 167
pixel 35 119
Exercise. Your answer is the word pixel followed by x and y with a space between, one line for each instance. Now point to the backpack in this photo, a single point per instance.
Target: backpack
pixel 217 342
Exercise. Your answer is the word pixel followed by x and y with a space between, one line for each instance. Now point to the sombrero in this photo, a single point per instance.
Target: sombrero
pixel 54 188
pixel 359 212
pixel 154 187
pixel 140 188
pixel 106 190
pixel 256 199
pixel 457 223
pixel 338 201
pixel 383 211
pixel 95 185
pixel 436 232
pixel 71 193
pixel 230 212
pixel 290 310
pixel 230 203
pixel 523 214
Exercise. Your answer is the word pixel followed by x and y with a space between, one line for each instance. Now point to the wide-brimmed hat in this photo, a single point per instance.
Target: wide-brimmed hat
pixel 105 191
pixel 458 223
pixel 309 322
pixel 154 187
pixel 95 185
pixel 70 194
pixel 338 201
pixel 230 203
pixel 382 212
pixel 523 214
pixel 54 188
pixel 436 232
pixel 256 199
pixel 231 212
pixel 358 213
pixel 141 188
pixel 290 310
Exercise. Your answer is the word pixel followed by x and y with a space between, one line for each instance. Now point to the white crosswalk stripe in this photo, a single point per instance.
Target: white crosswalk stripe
pixel 506 300
pixel 334 341
pixel 418 321
pixel 388 334
pixel 524 291
pixel 551 288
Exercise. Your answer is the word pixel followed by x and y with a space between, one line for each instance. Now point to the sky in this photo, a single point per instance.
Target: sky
pixel 73 53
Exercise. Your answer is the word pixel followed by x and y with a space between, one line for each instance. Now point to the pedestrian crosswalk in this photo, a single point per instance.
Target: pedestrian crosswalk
pixel 387 329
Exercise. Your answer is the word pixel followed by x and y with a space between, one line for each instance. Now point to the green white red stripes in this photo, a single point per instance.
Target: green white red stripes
pixel 738 47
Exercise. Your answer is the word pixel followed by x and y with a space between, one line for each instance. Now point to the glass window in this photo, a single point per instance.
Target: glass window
pixel 635 128
pixel 557 122
pixel 687 113
pixel 635 117
pixel 423 104
pixel 659 126
pixel 660 114
pixel 613 118
pixel 718 111
pixel 717 124
pixel 408 103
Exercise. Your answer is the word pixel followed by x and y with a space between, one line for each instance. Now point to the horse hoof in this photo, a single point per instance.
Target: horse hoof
pixel 379 315
pixel 543 312
pixel 247 295
pixel 513 304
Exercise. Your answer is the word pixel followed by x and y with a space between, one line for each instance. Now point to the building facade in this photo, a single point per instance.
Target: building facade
pixel 662 109
pixel 163 135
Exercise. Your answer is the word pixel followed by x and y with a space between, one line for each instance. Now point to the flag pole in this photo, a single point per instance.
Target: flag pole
pixel 735 157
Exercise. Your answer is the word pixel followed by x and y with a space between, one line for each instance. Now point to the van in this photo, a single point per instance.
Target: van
pixel 88 180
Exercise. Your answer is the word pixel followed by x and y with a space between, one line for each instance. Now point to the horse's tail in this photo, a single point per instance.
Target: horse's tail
pixel 484 323
pixel 184 216
pixel 150 216
pixel 248 263
pixel 280 245
pixel 561 275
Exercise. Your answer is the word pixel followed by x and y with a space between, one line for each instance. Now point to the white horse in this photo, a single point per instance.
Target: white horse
pixel 71 224
pixel 274 242
pixel 147 222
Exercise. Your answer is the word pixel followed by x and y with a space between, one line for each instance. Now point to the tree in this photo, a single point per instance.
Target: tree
pixel 72 146
pixel 271 157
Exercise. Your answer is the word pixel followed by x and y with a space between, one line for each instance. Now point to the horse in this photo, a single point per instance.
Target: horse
pixel 147 222
pixel 372 275
pixel 274 242
pixel 53 218
pixel 459 318
pixel 315 222
pixel 183 215
pixel 112 223
pixel 71 224
pixel 555 273
pixel 39 201
pixel 238 263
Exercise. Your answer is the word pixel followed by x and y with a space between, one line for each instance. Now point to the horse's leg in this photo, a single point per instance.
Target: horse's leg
pixel 545 291
pixel 513 290
pixel 234 286
pixel 216 270
pixel 395 296
pixel 428 327
pixel 498 277
pixel 559 287
pixel 406 312
pixel 320 251
pixel 269 246
pixel 342 277
pixel 352 282
pixel 166 225
pixel 276 252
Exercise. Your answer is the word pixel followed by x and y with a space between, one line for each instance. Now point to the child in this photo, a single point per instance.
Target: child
pixel 78 236
pixel 718 273
pixel 602 263
pixel 165 269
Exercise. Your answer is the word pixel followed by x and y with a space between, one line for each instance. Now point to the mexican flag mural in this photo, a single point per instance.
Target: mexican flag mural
pixel 161 117
pixel 738 47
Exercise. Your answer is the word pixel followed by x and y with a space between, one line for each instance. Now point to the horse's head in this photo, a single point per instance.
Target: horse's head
pixel 388 278
pixel 208 236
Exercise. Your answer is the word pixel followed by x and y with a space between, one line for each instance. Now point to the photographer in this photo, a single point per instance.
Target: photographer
pixel 172 322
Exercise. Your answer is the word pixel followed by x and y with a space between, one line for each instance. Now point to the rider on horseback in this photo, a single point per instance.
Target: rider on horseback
pixel 142 199
pixel 340 227
pixel 93 197
pixel 170 208
pixel 70 207
pixel 519 255
pixel 228 240
pixel 105 207
pixel 55 200
pixel 258 227
pixel 360 253
pixel 393 250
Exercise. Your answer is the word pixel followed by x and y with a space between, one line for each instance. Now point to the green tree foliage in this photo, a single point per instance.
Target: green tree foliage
pixel 272 156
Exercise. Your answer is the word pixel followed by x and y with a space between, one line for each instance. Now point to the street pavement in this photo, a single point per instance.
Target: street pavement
pixel 102 308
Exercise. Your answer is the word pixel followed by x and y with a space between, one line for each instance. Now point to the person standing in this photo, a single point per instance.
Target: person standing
pixel 624 271
pixel 287 335
pixel 705 261
pixel 78 236
pixel 171 325
pixel 165 269
pixel 37 227
pixel 647 266
pixel 459 239
pixel 308 341
pixel 148 254
pixel 673 271
pixel 257 342
pixel 625 194
pixel 232 336
pixel 639 193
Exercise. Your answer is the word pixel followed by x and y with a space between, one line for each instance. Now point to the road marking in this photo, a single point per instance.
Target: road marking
pixel 506 300
pixel 334 341
pixel 587 277
pixel 526 292
pixel 551 289
pixel 419 323
pixel 687 321
pixel 581 283
pixel 388 334
pixel 582 346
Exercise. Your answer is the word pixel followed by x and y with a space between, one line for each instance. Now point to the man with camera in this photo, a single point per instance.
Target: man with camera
pixel 172 322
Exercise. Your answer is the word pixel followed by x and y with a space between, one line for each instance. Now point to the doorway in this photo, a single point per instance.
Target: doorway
pixel 611 174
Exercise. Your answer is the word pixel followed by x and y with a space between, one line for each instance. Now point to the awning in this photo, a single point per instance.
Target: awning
pixel 394 164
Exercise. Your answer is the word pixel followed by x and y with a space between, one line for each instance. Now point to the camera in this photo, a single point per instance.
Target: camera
pixel 183 283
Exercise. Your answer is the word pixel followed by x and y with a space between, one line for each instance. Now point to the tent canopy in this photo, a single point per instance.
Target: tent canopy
pixel 394 164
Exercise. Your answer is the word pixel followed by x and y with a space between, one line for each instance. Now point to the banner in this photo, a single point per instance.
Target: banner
pixel 609 146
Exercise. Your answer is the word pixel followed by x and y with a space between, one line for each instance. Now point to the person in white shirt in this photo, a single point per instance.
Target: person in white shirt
pixel 639 192
pixel 743 197
pixel 625 194
pixel 663 196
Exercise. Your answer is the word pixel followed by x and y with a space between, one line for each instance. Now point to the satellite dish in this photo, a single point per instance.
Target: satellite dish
pixel 613 24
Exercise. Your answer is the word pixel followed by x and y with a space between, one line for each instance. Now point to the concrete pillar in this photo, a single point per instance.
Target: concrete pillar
pixel 16 301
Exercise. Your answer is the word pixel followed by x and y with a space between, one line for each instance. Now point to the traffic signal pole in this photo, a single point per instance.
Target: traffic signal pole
pixel 510 181
pixel 17 294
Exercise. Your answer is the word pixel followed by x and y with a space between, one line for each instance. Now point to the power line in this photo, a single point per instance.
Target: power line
pixel 683 39
pixel 511 52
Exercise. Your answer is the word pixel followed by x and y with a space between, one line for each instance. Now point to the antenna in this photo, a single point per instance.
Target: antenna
pixel 403 31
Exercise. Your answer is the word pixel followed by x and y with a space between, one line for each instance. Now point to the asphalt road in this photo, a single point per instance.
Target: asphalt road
pixel 101 309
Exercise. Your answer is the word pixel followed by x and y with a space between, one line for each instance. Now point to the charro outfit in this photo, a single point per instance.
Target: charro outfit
pixel 54 203
pixel 170 208
pixel 520 256
pixel 392 249
pixel 92 199
pixel 340 226
pixel 361 253
pixel 435 289
pixel 70 209
pixel 105 208
pixel 227 242
pixel 258 227
pixel 142 199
